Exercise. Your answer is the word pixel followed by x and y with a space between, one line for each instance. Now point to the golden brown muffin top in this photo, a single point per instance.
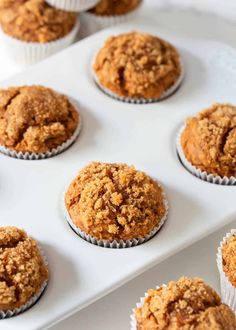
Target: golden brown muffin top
pixel 114 201
pixel 115 7
pixel 209 140
pixel 137 65
pixel 186 304
pixel 229 259
pixel 34 20
pixel 35 119
pixel 22 268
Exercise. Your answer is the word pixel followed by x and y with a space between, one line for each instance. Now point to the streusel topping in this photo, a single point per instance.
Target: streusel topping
pixel 35 119
pixel 229 259
pixel 209 140
pixel 186 304
pixel 22 269
pixel 115 7
pixel 114 201
pixel 137 65
pixel 34 20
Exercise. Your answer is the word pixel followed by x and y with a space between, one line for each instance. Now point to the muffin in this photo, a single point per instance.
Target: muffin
pixel 108 13
pixel 226 261
pixel 33 29
pixel 23 271
pixel 36 122
pixel 208 142
pixel 114 205
pixel 185 304
pixel 137 67
pixel 73 5
pixel 114 7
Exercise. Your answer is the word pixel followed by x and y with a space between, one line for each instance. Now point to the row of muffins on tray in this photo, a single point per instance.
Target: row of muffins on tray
pixel 187 303
pixel 36 29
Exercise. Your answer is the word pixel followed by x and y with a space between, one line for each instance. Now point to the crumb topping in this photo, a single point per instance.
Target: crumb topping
pixel 209 140
pixel 35 118
pixel 137 65
pixel 22 269
pixel 114 201
pixel 34 20
pixel 115 7
pixel 229 259
pixel 186 304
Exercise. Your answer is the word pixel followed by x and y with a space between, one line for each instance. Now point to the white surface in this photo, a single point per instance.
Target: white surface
pixel 143 135
pixel 112 312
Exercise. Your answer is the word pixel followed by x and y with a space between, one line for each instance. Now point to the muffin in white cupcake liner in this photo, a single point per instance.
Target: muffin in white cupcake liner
pixel 73 5
pixel 13 312
pixel 116 244
pixel 203 175
pixel 133 321
pixel 37 156
pixel 134 100
pixel 228 291
pixel 27 53
pixel 92 23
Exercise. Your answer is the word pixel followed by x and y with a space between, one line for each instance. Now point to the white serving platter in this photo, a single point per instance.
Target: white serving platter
pixel 143 135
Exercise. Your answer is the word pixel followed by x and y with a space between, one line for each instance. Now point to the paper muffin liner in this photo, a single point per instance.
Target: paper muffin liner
pixel 73 5
pixel 134 100
pixel 115 244
pixel 203 175
pixel 27 53
pixel 13 312
pixel 133 321
pixel 228 291
pixel 48 154
pixel 92 23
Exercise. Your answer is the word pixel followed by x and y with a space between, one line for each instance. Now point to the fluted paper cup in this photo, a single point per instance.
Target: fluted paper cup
pixel 27 53
pixel 228 291
pixel 73 5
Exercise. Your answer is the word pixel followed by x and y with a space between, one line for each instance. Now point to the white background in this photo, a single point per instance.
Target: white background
pixel 112 312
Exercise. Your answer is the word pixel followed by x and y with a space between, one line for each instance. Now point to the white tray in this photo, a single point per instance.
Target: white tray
pixel 143 135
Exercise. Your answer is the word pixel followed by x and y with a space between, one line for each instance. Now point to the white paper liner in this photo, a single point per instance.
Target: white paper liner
pixel 228 291
pixel 133 100
pixel 133 321
pixel 203 175
pixel 92 23
pixel 116 244
pixel 32 301
pixel 48 154
pixel 73 5
pixel 27 53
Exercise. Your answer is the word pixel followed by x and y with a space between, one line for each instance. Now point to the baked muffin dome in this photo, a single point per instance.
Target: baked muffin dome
pixel 114 202
pixel 186 304
pixel 229 259
pixel 35 119
pixel 209 140
pixel 115 7
pixel 35 20
pixel 22 268
pixel 137 65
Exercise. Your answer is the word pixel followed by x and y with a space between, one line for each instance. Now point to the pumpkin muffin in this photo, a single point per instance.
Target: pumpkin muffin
pixel 209 140
pixel 186 304
pixel 229 259
pixel 35 119
pixel 115 7
pixel 115 202
pixel 35 20
pixel 23 271
pixel 137 66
